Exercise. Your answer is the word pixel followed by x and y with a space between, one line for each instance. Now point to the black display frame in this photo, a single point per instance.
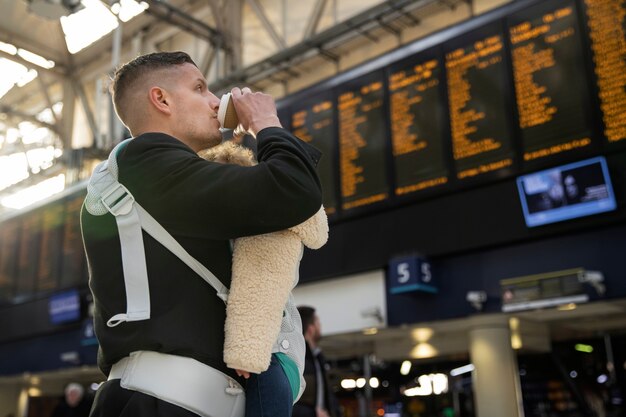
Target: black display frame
pixel 436 43
pixel 434 53
pixel 584 90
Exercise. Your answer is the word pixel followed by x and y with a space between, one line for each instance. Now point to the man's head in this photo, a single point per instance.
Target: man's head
pixel 166 92
pixel 311 327
pixel 73 394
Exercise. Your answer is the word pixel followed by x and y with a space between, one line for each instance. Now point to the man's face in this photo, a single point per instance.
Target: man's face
pixel 194 109
pixel 73 397
pixel 317 329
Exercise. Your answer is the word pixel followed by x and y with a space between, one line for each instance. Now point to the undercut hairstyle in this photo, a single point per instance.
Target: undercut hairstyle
pixel 127 75
pixel 307 314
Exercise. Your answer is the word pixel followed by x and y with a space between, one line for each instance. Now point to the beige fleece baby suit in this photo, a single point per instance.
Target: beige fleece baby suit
pixel 265 270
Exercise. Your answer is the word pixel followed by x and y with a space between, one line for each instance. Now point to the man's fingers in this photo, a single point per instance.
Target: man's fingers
pixel 245 90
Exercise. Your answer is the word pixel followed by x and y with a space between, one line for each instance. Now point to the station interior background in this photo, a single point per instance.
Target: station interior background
pixel 459 240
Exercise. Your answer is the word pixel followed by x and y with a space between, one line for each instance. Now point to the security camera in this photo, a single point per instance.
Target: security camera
pixel 373 312
pixel 595 279
pixel 476 299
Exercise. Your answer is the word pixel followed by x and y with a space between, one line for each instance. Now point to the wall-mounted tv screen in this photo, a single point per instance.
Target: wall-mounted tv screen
pixel 566 192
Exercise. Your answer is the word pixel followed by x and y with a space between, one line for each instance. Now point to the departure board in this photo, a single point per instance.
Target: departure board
pixel 416 110
pixel 312 120
pixel 50 251
pixel 28 254
pixel 362 141
pixel 9 238
pixel 479 121
pixel 73 267
pixel 606 24
pixel 550 83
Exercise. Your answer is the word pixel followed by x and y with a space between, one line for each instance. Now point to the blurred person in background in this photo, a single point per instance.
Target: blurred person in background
pixel 318 399
pixel 75 404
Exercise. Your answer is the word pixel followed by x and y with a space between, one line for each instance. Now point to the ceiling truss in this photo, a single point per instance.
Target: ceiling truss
pixel 220 24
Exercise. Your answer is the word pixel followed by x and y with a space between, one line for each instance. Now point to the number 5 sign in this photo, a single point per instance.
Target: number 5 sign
pixel 410 274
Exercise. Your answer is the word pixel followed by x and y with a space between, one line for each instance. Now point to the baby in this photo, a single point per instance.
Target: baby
pixel 263 330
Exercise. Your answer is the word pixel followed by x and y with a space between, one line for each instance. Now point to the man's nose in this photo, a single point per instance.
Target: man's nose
pixel 214 102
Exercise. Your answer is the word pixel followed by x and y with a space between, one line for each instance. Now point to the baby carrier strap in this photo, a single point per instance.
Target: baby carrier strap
pixel 105 194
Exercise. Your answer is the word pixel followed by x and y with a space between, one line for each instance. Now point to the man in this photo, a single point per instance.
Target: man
pixel 176 367
pixel 76 403
pixel 318 399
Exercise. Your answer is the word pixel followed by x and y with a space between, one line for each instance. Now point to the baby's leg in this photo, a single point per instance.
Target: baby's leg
pixel 268 394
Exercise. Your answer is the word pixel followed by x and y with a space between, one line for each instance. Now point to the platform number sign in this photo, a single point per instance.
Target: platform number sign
pixel 410 274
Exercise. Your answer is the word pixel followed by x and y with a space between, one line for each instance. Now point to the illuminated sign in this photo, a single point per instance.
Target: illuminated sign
pixel 410 274
pixel 64 307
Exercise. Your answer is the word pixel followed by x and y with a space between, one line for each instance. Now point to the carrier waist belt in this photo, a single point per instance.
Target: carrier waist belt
pixel 182 381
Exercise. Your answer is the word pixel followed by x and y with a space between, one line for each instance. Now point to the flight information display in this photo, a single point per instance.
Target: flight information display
pixel 9 238
pixel 28 255
pixel 550 82
pixel 606 23
pixel 417 118
pixel 362 141
pixel 479 123
pixel 73 267
pixel 50 251
pixel 312 121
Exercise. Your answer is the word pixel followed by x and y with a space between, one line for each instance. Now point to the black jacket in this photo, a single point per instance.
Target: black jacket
pixel 203 205
pixel 305 407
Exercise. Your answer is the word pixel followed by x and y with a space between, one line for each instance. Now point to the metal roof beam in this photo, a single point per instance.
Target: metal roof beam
pixel 314 21
pixel 28 117
pixel 257 8
pixel 44 91
pixel 21 42
pixel 55 71
pixel 170 14
pixel 346 30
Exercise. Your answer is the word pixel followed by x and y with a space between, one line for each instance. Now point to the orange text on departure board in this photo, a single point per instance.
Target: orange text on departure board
pixel 562 147
pixel 406 92
pixel 481 55
pixel 299 121
pixel 352 113
pixel 534 105
pixel 422 185
pixel 608 42
pixel 484 168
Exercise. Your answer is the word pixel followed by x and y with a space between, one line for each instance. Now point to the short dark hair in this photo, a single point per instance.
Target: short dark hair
pixel 129 73
pixel 307 314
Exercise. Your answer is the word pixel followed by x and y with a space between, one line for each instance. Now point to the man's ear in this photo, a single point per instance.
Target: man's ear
pixel 160 100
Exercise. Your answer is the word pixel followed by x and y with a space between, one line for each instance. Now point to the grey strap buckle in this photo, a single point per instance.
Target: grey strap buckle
pixel 117 199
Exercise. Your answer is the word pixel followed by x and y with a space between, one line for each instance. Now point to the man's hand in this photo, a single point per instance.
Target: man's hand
pixel 255 111
pixel 321 412
pixel 244 374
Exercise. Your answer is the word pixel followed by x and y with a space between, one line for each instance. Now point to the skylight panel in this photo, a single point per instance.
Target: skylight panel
pixel 11 73
pixel 87 25
pixel 8 48
pixel 127 9
pixel 26 78
pixel 13 169
pixel 38 192
pixel 35 59
pixel 46 114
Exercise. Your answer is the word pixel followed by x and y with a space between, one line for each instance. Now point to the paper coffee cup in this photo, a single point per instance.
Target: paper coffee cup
pixel 226 114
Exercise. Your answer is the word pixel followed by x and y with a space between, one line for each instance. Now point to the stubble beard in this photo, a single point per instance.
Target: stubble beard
pixel 214 139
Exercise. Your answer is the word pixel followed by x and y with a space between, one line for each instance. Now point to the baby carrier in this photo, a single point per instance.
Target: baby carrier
pixel 212 394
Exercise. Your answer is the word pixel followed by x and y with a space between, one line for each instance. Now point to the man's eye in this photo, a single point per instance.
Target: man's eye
pixel 199 87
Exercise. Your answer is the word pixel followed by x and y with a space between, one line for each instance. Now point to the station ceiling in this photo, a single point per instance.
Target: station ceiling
pixel 266 44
